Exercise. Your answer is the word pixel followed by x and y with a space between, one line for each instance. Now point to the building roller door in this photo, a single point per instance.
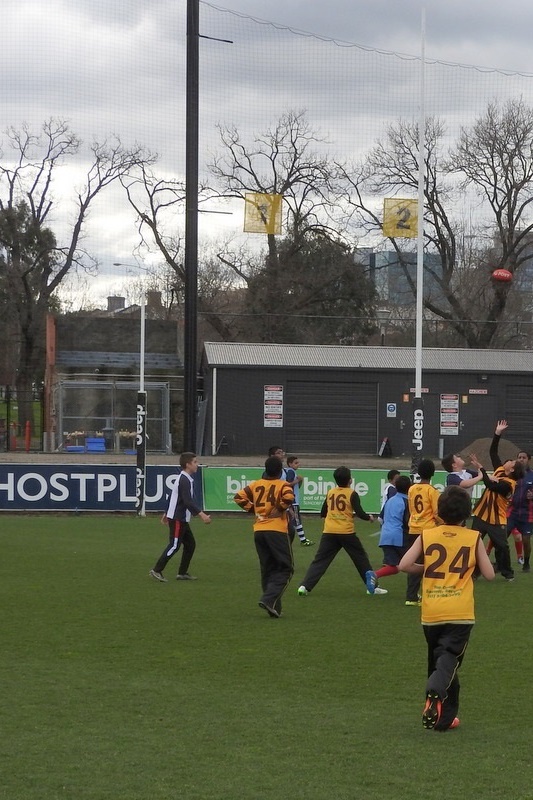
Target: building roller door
pixel 333 417
pixel 518 414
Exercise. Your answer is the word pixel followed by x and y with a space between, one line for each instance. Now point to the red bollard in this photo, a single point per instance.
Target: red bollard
pixel 27 435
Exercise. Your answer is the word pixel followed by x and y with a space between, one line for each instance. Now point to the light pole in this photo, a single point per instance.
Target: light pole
pixel 140 431
pixel 192 94
pixel 417 442
pixel 382 315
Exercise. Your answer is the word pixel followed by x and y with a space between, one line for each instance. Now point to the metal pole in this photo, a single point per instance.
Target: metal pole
pixel 8 418
pixel 191 227
pixel 140 479
pixel 418 406
pixel 140 413
pixel 214 412
pixel 143 342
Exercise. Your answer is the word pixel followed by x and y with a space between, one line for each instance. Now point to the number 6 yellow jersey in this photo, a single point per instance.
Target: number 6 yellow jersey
pixel 423 499
pixel 447 587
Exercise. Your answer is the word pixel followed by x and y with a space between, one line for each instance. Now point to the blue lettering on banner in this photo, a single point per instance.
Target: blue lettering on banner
pixel 86 487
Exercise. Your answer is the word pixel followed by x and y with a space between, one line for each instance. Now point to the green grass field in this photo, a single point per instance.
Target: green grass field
pixel 115 686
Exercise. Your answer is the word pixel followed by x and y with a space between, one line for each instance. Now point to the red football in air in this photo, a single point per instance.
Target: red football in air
pixel 502 276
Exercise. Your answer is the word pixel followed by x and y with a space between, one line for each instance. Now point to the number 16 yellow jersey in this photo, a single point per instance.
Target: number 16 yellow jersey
pixel 339 507
pixel 447 587
pixel 339 517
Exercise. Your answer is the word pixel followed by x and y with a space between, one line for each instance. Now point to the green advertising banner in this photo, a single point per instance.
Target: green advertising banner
pixel 221 483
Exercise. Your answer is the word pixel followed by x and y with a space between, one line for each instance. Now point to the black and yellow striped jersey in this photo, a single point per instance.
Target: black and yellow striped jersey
pixel 269 501
pixel 492 506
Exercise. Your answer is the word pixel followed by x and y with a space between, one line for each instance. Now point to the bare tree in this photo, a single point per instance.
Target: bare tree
pixel 157 201
pixel 301 272
pixel 154 200
pixel 246 294
pixel 283 160
pixel 493 157
pixel 33 262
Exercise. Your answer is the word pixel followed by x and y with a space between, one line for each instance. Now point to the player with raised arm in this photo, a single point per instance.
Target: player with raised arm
pixel 490 512
pixel 519 517
pixel 458 475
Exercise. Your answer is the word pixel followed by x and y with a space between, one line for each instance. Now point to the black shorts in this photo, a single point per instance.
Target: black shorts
pixel 392 555
pixel 522 526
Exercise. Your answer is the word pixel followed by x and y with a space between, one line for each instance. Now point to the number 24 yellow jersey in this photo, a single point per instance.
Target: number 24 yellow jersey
pixel 449 553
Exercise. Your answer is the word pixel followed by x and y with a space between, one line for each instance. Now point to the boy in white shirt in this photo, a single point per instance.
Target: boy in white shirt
pixel 458 475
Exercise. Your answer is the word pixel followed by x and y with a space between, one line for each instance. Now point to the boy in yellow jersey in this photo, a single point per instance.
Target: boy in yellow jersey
pixel 422 499
pixel 490 511
pixel 338 512
pixel 269 498
pixel 450 552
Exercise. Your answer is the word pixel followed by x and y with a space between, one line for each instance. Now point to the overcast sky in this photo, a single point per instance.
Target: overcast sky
pixel 484 32
pixel 117 66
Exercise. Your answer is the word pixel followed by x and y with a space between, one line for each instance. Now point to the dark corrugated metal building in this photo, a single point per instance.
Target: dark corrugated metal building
pixel 335 399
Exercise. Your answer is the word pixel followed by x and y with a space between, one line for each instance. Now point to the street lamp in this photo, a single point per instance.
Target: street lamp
pixel 140 432
pixel 382 315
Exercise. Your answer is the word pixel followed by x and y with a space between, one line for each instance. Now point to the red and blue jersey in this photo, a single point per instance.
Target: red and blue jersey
pixel 521 508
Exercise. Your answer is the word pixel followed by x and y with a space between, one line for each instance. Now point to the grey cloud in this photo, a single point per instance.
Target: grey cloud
pixel 487 32
pixel 119 67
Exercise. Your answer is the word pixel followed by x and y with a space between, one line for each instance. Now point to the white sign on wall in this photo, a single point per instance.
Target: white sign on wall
pixel 273 406
pixel 449 415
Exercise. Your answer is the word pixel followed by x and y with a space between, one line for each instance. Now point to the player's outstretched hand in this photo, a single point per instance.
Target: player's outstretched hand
pixel 474 460
pixel 501 426
pixel 205 517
